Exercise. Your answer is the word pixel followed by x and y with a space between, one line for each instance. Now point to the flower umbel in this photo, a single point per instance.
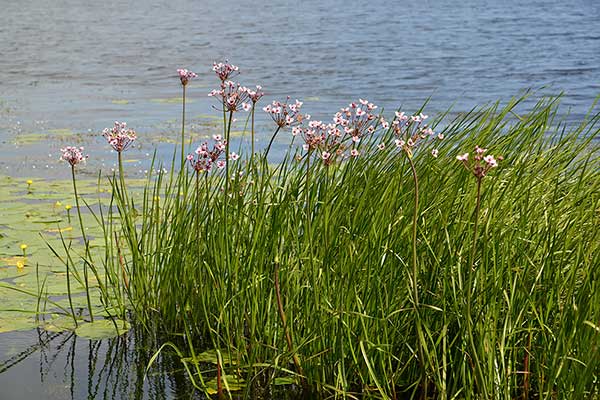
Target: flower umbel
pixel 225 70
pixel 411 131
pixel 186 75
pixel 73 155
pixel 255 95
pixel 481 164
pixel 357 120
pixel 204 159
pixel 285 114
pixel 119 137
pixel 233 96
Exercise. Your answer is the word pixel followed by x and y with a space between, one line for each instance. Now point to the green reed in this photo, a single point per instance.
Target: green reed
pixel 356 282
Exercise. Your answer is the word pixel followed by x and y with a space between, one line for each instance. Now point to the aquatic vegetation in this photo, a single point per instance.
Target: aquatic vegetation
pixel 365 264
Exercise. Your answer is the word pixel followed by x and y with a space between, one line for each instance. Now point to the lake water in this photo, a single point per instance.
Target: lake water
pixel 73 68
pixel 70 68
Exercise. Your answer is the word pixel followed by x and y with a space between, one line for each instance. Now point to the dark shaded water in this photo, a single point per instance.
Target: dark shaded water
pixel 60 366
pixel 70 68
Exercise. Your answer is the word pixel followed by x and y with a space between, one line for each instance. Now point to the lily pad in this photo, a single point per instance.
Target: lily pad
pixel 61 132
pixel 16 323
pixel 59 324
pixel 172 100
pixel 209 357
pixel 284 381
pixel 102 329
pixel 233 384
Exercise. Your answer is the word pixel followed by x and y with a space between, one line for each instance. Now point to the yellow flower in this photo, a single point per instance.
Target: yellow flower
pixel 58 204
pixel 23 247
pixel 20 264
pixel 68 207
pixel 29 181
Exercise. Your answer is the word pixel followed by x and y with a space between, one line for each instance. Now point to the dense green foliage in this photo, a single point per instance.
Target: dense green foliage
pixel 305 270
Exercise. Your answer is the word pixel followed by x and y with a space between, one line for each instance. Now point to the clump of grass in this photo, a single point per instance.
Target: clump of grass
pixel 361 270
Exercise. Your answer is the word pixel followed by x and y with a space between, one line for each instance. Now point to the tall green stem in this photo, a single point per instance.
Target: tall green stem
pixel 476 227
pixel 227 134
pixel 252 130
pixel 271 141
pixel 415 275
pixel 85 242
pixel 469 297
pixel 183 131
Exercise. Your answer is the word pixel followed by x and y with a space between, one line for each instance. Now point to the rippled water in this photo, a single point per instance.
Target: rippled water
pixel 69 65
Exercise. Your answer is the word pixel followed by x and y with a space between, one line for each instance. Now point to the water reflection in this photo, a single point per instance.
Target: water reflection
pixel 46 365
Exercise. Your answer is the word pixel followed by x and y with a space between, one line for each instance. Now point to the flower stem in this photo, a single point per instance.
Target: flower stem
pixel 288 336
pixel 252 130
pixel 86 243
pixel 271 141
pixel 469 296
pixel 415 275
pixel 183 130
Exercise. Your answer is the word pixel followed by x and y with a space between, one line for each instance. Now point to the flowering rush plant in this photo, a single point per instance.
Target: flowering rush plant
pixel 358 119
pixel 411 131
pixel 481 163
pixel 255 95
pixel 73 155
pixel 233 96
pixel 186 75
pixel 204 158
pixel 286 114
pixel 119 136
pixel 224 70
pixel 340 138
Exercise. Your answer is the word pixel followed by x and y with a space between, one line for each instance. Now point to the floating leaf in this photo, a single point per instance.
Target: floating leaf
pixel 61 132
pixel 102 329
pixel 284 381
pixel 16 323
pixel 59 324
pixel 210 357
pixel 57 230
pixel 172 100
pixel 233 384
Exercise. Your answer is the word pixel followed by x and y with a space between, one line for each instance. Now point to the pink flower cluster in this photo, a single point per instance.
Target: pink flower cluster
pixel 73 155
pixel 233 96
pixel 185 76
pixel 225 70
pixel 119 137
pixel 205 158
pixel 481 164
pixel 357 119
pixel 339 139
pixel 325 140
pixel 286 114
pixel 412 131
pixel 255 95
